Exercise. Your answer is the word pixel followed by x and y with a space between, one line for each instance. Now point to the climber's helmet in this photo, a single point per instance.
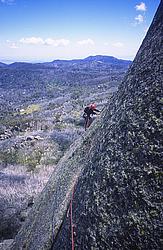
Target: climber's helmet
pixel 92 106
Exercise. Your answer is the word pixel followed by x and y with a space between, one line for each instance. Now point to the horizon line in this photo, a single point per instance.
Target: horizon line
pixel 10 61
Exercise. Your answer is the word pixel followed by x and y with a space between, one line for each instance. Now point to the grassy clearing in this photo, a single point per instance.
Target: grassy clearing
pixel 17 186
pixel 30 109
pixel 17 189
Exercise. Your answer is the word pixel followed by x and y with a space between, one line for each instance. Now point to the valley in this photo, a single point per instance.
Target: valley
pixel 41 108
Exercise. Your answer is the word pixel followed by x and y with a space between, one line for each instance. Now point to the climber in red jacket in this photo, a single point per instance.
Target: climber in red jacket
pixel 88 112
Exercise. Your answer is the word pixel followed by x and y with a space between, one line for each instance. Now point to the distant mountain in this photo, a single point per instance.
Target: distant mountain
pixel 96 59
pixel 92 70
pixel 106 59
pixel 88 61
pixel 2 65
pixel 20 64
pixel 24 65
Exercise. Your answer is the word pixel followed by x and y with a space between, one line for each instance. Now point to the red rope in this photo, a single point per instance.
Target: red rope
pixel 71 222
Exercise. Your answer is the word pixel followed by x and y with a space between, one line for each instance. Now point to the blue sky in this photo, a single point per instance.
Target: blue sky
pixel 44 30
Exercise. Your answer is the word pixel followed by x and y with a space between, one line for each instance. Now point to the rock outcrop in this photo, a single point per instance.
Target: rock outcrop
pixel 114 172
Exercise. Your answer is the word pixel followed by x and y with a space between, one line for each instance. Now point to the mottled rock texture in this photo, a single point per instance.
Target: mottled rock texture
pixel 115 170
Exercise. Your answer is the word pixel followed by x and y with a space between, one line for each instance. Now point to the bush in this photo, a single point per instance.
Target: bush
pixel 30 159
pixel 8 157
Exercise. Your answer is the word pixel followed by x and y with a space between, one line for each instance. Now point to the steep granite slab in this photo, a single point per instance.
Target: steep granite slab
pixel 115 170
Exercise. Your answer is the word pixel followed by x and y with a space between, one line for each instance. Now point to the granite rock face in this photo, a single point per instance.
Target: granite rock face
pixel 113 172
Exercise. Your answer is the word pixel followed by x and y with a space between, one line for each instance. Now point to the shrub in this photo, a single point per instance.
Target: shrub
pixel 30 159
pixel 8 157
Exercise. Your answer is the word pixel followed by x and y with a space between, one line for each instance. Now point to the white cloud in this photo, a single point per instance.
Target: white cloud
pixel 7 1
pixel 47 41
pixel 139 19
pixel 32 40
pixel 141 7
pixel 56 43
pixel 118 45
pixel 86 42
pixel 12 45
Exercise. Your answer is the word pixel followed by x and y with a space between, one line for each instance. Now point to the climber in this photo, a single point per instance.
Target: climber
pixel 88 112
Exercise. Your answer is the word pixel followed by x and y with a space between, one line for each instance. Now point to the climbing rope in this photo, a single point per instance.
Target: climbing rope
pixel 71 220
pixel 69 213
pixel 72 225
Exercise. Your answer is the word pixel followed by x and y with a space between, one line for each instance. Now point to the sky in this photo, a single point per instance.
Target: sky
pixel 45 30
